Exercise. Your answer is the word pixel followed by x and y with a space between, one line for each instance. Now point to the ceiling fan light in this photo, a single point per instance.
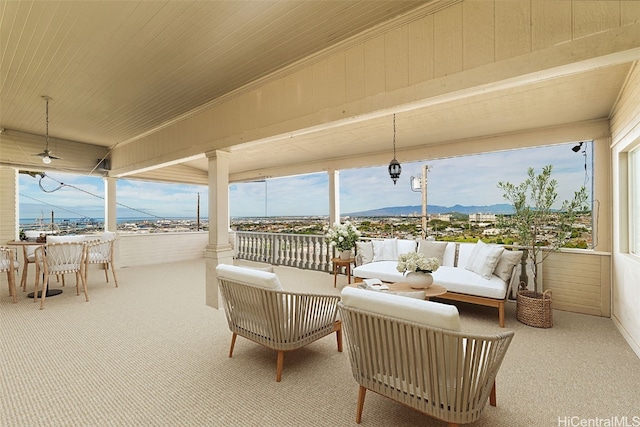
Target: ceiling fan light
pixel 46 160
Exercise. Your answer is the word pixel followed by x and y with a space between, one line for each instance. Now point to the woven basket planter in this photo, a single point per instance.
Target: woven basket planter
pixel 534 311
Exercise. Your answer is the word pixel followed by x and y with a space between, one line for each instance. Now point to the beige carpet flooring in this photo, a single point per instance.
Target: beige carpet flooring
pixel 151 353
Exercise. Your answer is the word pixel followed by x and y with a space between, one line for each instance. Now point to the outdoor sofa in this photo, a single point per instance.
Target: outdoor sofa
pixel 476 273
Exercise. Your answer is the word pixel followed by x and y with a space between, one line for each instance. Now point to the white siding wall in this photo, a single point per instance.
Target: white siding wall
pixel 625 131
pixel 8 204
pixel 146 249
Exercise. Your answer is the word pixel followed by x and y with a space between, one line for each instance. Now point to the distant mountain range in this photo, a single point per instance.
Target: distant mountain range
pixel 502 208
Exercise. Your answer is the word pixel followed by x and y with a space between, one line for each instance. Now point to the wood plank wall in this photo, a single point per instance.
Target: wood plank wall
pixel 579 281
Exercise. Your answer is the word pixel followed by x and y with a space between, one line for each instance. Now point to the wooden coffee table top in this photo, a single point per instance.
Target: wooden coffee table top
pixel 432 291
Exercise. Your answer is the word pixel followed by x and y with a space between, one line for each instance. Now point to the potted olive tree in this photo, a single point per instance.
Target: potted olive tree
pixel 540 229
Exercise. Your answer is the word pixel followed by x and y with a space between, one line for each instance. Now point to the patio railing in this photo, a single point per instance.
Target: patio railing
pixel 304 251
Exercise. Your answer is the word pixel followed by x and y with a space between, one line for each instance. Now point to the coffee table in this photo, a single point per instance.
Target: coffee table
pixel 432 291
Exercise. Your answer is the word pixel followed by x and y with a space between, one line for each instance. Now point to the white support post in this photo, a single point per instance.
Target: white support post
pixel 219 250
pixel 110 204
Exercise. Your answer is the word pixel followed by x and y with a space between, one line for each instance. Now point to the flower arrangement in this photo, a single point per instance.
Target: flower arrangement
pixel 417 262
pixel 342 236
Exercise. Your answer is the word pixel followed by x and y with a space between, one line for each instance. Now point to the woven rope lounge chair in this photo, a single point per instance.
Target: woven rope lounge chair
pixel 411 351
pixel 258 309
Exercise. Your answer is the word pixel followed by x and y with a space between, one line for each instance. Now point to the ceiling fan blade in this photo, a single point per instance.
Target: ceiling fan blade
pixel 47 153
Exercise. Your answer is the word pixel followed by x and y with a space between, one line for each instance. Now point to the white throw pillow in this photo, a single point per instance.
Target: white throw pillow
pixel 385 250
pixel 432 249
pixel 365 252
pixel 484 258
pixel 406 246
pixel 508 260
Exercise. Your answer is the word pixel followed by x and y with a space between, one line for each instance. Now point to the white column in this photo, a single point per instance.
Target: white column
pixel 110 206
pixel 219 250
pixel 334 196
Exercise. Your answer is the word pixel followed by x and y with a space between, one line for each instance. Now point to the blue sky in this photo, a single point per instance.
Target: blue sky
pixel 468 180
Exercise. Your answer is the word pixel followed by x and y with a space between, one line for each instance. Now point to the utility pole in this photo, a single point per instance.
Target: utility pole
pixel 423 189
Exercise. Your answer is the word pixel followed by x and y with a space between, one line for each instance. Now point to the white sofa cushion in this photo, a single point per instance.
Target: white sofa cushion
pixel 428 313
pixel 463 281
pixel 405 246
pixel 508 260
pixel 484 258
pixel 383 270
pixel 364 252
pixel 385 250
pixel 249 276
pixel 432 249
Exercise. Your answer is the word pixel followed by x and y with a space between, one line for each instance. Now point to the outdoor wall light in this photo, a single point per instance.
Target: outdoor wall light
pixel 394 166
pixel 577 147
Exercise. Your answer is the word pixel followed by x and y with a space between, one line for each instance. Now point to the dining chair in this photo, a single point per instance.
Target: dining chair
pixel 9 264
pixel 61 258
pixel 101 252
pixel 28 257
pixel 62 239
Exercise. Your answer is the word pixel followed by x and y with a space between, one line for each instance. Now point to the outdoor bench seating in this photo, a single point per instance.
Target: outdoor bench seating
pixel 471 272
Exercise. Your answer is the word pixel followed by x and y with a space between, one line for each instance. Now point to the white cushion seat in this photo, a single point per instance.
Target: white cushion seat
pixel 463 281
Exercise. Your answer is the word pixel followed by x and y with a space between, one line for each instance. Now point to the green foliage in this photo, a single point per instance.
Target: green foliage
pixel 533 201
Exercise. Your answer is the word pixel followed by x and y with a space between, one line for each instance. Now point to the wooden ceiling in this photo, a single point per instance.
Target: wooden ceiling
pixel 118 70
pixel 115 70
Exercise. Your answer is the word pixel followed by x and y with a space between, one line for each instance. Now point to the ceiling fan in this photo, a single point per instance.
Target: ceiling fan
pixel 47 155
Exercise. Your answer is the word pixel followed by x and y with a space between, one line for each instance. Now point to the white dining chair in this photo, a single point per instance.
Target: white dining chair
pixel 61 258
pixel 9 264
pixel 101 252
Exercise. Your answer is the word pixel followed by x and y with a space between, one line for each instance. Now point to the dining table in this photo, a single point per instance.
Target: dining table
pixel 24 244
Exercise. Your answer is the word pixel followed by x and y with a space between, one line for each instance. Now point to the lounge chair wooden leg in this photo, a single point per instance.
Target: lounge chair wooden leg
pixel 106 271
pixel 361 395
pixel 338 329
pixel 492 395
pixel 233 342
pixel 279 366
pixel 501 313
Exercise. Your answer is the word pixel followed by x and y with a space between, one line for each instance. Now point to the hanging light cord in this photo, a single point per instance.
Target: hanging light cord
pixel 46 129
pixel 394 136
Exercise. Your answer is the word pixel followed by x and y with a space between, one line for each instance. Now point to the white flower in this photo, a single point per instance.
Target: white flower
pixel 342 236
pixel 413 261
